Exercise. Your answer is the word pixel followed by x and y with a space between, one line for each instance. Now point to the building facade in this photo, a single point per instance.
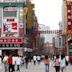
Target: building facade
pixel 12 25
pixel 67 24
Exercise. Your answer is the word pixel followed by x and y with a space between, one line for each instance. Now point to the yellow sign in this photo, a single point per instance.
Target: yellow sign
pixel 25 10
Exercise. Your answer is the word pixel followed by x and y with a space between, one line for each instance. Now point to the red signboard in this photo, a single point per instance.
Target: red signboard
pixel 11 40
pixel 69 27
pixel 14 26
pixel 21 31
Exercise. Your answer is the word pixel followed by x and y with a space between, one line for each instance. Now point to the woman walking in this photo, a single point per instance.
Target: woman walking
pixel 57 64
pixel 63 63
pixel 46 62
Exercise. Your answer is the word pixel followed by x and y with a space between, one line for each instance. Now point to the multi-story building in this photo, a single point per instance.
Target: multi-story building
pixel 67 24
pixel 57 44
pixel 12 25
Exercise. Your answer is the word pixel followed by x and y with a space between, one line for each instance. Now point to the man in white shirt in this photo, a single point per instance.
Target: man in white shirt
pixel 34 59
pixel 14 62
pixel 38 60
pixel 18 62
pixel 5 59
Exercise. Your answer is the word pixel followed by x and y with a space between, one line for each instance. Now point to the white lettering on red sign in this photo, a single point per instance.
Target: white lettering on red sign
pixel 11 40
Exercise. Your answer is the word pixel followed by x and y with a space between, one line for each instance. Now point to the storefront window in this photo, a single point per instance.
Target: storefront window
pixel 9 13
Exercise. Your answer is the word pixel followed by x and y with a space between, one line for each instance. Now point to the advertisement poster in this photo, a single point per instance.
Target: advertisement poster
pixel 10 25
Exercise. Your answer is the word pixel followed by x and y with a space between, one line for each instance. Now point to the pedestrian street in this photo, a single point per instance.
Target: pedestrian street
pixel 38 68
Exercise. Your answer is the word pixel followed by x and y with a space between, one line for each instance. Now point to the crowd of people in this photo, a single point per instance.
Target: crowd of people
pixel 10 62
pixel 13 63
pixel 59 63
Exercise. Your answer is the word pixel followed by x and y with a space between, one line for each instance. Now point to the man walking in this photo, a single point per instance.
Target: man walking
pixel 10 63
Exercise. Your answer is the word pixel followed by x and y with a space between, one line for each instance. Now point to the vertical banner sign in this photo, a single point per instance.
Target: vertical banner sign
pixel 68 16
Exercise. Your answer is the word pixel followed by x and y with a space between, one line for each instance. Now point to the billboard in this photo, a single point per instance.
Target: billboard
pixel 10 25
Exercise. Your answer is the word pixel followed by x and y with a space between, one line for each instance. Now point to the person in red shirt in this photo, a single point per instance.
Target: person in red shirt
pixel 10 63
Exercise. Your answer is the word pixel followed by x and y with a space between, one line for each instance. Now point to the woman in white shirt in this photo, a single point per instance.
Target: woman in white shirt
pixel 62 63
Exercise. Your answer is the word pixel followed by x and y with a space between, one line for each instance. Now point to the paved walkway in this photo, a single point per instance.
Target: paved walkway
pixel 39 68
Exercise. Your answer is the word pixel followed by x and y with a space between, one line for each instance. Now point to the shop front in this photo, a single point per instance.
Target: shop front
pixel 11 45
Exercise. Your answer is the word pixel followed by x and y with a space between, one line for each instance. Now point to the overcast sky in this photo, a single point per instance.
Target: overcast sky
pixel 48 12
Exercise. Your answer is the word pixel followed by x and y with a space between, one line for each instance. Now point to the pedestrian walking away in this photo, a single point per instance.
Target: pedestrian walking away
pixel 57 63
pixel 26 62
pixel 46 62
pixel 63 63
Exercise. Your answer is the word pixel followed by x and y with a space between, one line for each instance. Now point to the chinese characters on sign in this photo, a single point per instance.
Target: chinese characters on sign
pixel 11 40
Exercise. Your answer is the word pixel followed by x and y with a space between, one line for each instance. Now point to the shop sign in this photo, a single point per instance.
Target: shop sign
pixel 11 40
pixel 10 0
pixel 10 9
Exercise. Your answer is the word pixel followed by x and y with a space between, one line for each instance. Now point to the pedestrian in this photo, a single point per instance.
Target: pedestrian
pixel 18 63
pixel 5 61
pixel 38 60
pixel 34 59
pixel 67 60
pixel 46 62
pixel 14 62
pixel 57 63
pixel 62 63
pixel 10 63
pixel 26 62
pixel 70 59
pixel 0 62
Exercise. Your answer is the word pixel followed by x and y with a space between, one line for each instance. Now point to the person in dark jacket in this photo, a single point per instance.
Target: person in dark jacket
pixel 26 62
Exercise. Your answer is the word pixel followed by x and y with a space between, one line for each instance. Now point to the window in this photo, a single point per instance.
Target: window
pixel 9 13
